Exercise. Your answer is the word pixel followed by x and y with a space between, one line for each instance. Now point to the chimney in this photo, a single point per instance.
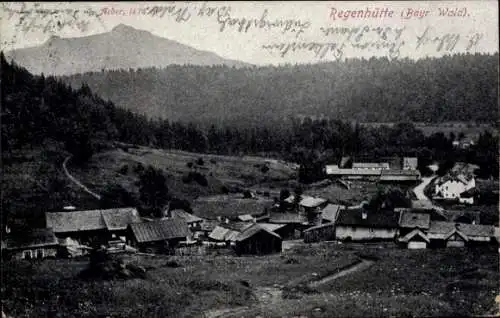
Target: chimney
pixel 364 215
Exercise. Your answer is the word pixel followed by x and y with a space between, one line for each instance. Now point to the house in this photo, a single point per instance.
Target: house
pixel 311 208
pixel 157 236
pixel 227 233
pixel 294 224
pixel 318 233
pixel 257 240
pixel 333 171
pixel 416 239
pixel 410 163
pixel 92 226
pixel 399 176
pixel 451 186
pixel 464 143
pixel 330 213
pixel 358 224
pixel 409 221
pixel 279 229
pixel 34 244
pixel 370 165
pixel 193 221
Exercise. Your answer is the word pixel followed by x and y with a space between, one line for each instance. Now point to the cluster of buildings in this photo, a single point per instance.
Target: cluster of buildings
pixel 400 170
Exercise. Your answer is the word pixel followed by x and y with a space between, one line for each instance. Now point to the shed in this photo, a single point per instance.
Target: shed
pixel 318 233
pixel 193 221
pixel 257 240
pixel 415 239
pixel 158 236
pixel 294 224
pixel 447 234
pixel 34 244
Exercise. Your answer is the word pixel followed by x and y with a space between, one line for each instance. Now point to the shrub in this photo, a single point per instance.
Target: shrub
pixel 213 161
pixel 139 168
pixel 200 162
pixel 264 169
pixel 189 164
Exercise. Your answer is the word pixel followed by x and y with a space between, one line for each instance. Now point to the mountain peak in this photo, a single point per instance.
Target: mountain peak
pixel 123 28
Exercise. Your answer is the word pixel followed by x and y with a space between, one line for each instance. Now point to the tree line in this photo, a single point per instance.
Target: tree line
pixel 461 87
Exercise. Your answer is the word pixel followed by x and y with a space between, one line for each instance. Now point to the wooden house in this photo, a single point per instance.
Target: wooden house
pixel 92 226
pixel 358 224
pixel 158 236
pixel 410 221
pixel 318 233
pixel 257 240
pixel 294 224
pixel 33 244
pixel 226 233
pixel 451 187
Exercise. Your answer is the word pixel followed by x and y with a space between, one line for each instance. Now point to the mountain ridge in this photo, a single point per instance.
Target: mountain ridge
pixel 123 47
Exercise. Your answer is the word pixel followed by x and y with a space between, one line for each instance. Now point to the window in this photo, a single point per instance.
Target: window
pixel 27 254
pixel 39 253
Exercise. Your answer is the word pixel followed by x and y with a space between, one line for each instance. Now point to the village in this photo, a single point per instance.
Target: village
pixel 296 218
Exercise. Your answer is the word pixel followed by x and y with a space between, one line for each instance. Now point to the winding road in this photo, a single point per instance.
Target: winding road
pixel 75 181
pixel 419 190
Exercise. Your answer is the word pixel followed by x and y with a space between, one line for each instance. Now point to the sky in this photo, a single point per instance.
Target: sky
pixel 272 32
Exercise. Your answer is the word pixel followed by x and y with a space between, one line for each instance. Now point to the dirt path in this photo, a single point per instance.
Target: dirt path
pixel 364 264
pixel 419 190
pixel 78 183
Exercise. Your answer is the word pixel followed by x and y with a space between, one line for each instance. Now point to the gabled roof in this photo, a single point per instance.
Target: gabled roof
pixel 31 239
pixel 286 218
pixel 251 231
pixel 271 227
pixel 159 230
pixel 442 230
pixel 119 219
pixel 188 217
pixel 331 212
pixel 74 221
pixel 223 234
pixel 370 165
pixel 245 217
pixel 379 219
pixel 311 202
pixel 410 236
pixel 457 232
pixel 414 220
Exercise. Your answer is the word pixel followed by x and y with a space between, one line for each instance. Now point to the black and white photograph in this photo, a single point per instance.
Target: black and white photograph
pixel 250 159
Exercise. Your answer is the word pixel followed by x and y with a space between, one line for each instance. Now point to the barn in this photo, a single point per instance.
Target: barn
pixel 415 239
pixel 257 240
pixel 158 236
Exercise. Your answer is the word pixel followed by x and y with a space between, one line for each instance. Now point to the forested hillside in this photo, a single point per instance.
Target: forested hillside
pixel 451 88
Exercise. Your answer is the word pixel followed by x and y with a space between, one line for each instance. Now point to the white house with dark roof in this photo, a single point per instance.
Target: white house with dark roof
pixel 451 186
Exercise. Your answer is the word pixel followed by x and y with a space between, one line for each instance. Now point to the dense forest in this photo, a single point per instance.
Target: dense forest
pixel 451 88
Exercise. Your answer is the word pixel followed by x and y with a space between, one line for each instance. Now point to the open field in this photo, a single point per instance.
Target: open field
pixel 398 283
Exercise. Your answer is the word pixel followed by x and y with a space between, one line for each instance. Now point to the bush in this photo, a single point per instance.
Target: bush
pixel 139 168
pixel 195 176
pixel 264 169
pixel 189 164
pixel 200 162
pixel 213 161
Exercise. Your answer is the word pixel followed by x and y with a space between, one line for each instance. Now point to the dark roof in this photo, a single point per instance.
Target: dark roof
pixel 416 232
pixel 30 239
pixel 283 218
pixel 74 221
pixel 414 220
pixel 379 219
pixel 331 212
pixel 312 228
pixel 251 231
pixel 160 230
pixel 220 233
pixel 188 217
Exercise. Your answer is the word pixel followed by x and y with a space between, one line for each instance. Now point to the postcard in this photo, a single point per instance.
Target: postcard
pixel 250 159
